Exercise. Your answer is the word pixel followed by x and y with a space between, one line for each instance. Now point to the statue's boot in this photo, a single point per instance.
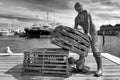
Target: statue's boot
pixel 98 59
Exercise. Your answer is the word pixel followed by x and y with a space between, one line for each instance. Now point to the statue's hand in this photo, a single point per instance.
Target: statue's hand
pixel 75 28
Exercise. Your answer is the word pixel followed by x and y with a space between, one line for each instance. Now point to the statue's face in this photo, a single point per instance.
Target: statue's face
pixel 79 8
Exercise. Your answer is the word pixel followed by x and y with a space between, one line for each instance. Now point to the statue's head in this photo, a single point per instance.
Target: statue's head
pixel 78 6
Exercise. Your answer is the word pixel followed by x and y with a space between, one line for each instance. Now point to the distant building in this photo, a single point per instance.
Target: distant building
pixel 109 29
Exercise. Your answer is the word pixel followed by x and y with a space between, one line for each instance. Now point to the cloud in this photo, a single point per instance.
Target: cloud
pixel 55 4
pixel 1 3
pixel 26 10
pixel 102 10
pixel 21 18
pixel 105 14
pixel 19 13
pixel 43 5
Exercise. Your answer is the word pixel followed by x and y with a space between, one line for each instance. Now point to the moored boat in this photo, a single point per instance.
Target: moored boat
pixel 37 31
pixel 7 32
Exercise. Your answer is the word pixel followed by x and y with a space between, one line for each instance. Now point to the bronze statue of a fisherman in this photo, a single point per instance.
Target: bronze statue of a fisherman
pixel 84 20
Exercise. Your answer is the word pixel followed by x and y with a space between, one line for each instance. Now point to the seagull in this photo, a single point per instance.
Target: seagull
pixel 9 51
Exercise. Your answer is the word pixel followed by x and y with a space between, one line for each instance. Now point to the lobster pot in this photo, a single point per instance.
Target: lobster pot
pixel 46 61
pixel 71 39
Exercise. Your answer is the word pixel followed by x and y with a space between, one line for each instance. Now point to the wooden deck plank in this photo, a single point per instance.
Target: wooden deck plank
pixel 117 73
pixel 53 78
pixel 10 68
pixel 105 71
pixel 18 70
pixel 91 66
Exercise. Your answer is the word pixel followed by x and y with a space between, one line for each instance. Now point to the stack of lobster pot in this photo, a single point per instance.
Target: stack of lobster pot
pixel 46 62
pixel 71 39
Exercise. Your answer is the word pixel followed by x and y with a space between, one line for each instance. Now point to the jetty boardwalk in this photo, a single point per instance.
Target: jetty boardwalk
pixel 11 68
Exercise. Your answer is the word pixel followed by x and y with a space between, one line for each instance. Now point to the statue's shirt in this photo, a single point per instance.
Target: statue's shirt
pixel 82 20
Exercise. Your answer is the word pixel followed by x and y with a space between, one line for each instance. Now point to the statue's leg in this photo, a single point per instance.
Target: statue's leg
pixel 97 55
pixel 98 59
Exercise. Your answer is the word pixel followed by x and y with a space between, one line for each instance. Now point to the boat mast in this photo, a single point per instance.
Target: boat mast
pixel 54 17
pixel 47 16
pixel 35 22
pixel 10 25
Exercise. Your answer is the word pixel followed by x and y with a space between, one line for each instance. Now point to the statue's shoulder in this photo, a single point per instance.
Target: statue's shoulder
pixel 85 11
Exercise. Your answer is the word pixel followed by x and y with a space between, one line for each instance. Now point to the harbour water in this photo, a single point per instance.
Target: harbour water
pixel 19 45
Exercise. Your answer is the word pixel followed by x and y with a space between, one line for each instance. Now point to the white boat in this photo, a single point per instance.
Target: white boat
pixel 7 33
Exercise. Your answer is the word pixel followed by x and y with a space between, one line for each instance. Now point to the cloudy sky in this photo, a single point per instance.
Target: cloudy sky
pixel 27 11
